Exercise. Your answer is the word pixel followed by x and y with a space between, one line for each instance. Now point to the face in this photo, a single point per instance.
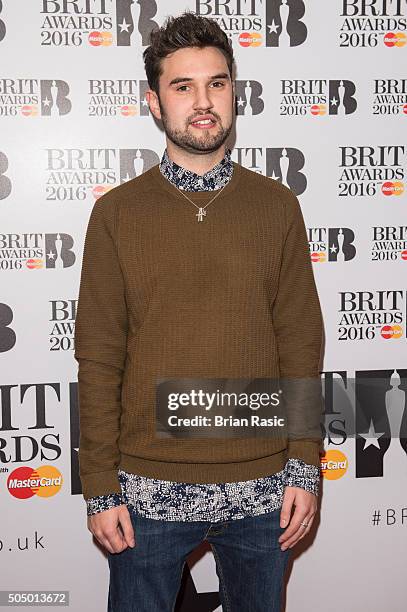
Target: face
pixel 195 84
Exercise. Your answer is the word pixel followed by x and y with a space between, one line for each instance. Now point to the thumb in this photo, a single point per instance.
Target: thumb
pixel 286 508
pixel 127 527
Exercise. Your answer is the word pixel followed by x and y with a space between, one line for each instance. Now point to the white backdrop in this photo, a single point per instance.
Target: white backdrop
pixel 322 103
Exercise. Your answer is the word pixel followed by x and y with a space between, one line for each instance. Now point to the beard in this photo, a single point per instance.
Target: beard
pixel 207 142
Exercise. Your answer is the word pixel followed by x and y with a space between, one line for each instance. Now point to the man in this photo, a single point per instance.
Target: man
pixel 176 284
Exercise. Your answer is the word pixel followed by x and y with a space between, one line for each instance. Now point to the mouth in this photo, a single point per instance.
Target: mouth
pixel 205 123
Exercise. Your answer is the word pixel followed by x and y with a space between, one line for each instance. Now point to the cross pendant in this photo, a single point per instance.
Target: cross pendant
pixel 201 214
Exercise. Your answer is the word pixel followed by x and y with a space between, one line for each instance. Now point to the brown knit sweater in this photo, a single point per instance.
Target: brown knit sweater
pixel 164 295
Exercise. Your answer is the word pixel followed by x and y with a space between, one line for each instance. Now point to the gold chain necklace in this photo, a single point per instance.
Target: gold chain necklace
pixel 201 209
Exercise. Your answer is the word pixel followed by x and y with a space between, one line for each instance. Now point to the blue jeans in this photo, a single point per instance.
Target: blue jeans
pixel 249 563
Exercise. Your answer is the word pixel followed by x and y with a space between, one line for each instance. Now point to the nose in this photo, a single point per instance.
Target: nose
pixel 202 99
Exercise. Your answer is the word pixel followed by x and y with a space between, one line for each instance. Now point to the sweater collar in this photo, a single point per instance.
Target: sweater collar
pixel 188 180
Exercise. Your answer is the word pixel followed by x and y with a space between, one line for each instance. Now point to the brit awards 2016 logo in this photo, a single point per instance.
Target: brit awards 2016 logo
pixel 97 23
pixel 368 171
pixel 255 23
pixel 372 315
pixel 369 23
pixel 371 407
pixel 77 174
pixel 62 319
pixel 317 97
pixel 5 183
pixel 281 164
pixel 248 98
pixel 36 251
pixel 2 24
pixel 381 423
pixel 33 97
pixel 389 97
pixel 30 438
pixel 8 336
pixel 134 22
pixel 119 97
pixel 331 244
pixel 389 243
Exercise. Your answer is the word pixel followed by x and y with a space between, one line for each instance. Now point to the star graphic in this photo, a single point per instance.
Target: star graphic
pixel 273 27
pixel 124 26
pixel 126 178
pixel 46 102
pixel 240 101
pixel 275 176
pixel 333 249
pixel 144 102
pixel 51 255
pixel 189 598
pixel 371 437
pixel 334 101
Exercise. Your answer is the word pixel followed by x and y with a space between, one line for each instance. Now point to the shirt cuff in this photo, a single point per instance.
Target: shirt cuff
pixel 297 473
pixel 99 503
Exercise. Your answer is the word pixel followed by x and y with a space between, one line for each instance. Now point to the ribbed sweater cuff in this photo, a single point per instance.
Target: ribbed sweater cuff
pixel 307 450
pixel 100 483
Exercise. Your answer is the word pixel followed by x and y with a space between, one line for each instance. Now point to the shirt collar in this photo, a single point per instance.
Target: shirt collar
pixel 188 180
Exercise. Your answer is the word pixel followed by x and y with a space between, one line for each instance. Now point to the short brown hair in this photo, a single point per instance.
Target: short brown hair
pixel 186 30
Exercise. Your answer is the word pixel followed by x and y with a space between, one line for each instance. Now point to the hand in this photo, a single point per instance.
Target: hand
pixel 305 509
pixel 105 527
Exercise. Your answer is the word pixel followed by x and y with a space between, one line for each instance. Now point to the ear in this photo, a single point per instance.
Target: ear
pixel 153 103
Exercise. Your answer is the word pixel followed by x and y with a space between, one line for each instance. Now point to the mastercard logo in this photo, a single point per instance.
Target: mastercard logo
pixel 403 255
pixel 318 257
pixel 250 39
pixel 391 331
pixel 34 264
pixel 29 110
pixel 129 110
pixel 392 188
pixel 334 465
pixel 395 39
pixel 99 190
pixel 404 109
pixel 25 482
pixel 100 39
pixel 318 109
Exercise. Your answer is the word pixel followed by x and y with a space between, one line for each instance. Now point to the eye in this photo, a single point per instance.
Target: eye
pixel 178 88
pixel 218 83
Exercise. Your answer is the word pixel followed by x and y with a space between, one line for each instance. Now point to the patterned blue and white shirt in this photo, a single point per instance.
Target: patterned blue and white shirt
pixel 180 501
